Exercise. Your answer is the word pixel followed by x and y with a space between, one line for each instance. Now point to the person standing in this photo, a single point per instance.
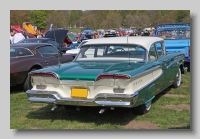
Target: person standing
pixel 18 37
pixel 12 33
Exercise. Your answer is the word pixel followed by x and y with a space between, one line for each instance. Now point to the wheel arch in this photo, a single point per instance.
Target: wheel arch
pixel 35 67
pixel 182 69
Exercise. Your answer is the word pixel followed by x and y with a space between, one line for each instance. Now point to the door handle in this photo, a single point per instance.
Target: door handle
pixel 165 60
pixel 158 65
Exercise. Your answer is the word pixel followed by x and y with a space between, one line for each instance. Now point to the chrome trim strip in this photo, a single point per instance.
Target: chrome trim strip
pixel 78 81
pixel 110 103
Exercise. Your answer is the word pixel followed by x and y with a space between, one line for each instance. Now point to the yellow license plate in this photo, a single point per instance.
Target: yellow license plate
pixel 79 92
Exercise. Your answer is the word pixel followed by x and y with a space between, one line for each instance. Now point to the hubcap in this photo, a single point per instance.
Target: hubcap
pixel 148 105
pixel 178 77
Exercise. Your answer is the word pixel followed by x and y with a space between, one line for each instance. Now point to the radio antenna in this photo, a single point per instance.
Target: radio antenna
pixel 128 52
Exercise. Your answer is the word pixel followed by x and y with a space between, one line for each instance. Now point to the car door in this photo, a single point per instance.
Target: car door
pixel 166 62
pixel 157 65
pixel 48 54
pixel 168 66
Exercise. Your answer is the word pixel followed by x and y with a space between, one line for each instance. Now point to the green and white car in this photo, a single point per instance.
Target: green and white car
pixel 108 73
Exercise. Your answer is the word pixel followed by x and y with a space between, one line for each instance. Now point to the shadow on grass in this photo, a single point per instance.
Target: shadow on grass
pixel 16 89
pixel 119 116
pixel 157 97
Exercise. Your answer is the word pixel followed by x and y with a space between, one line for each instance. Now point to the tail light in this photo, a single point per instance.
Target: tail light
pixel 112 76
pixel 44 74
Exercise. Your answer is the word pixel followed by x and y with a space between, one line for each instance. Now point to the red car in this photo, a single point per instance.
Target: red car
pixel 26 57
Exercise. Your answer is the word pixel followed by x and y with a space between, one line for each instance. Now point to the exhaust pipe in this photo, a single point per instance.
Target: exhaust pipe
pixel 54 107
pixel 78 108
pixel 103 110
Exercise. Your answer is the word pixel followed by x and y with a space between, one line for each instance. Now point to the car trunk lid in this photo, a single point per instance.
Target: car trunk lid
pixel 89 70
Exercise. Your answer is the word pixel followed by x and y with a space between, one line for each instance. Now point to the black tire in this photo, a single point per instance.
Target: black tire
pixel 27 84
pixel 144 108
pixel 188 66
pixel 177 80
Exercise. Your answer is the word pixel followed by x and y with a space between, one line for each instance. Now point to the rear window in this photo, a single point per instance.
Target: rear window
pixel 47 51
pixel 20 52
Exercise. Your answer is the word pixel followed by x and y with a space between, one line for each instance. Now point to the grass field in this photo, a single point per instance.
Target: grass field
pixel 170 110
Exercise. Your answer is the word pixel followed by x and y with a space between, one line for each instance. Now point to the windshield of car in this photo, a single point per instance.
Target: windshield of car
pixel 20 52
pixel 173 31
pixel 111 52
pixel 174 34
pixel 30 41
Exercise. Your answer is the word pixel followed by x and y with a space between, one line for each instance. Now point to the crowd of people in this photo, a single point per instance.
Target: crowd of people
pixel 95 35
pixel 16 36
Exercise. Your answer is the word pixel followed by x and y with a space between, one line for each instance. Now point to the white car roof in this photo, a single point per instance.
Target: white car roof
pixel 145 41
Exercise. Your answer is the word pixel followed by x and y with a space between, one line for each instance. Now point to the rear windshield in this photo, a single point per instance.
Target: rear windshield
pixel 174 34
pixel 111 52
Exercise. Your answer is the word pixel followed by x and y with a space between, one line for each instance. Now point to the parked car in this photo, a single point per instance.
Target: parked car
pixel 176 37
pixel 54 37
pixel 76 51
pixel 110 72
pixel 26 57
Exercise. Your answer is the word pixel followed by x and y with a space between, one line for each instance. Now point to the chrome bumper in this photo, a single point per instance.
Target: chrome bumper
pixel 111 100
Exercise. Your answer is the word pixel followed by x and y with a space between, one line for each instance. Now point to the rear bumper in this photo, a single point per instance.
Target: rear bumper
pixel 112 100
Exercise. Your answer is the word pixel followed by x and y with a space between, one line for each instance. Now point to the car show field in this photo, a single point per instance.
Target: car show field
pixel 100 70
pixel 171 109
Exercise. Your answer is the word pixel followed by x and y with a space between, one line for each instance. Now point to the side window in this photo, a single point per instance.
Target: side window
pixel 19 52
pixel 159 49
pixel 152 53
pixel 47 51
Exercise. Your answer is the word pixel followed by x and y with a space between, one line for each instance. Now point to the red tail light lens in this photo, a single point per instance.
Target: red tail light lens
pixel 45 74
pixel 112 76
pixel 104 76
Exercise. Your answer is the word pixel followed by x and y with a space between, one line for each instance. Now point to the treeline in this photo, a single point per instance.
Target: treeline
pixel 96 19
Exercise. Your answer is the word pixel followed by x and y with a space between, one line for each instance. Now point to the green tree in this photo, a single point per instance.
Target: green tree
pixel 74 17
pixel 17 17
pixel 113 20
pixel 39 17
pixel 181 14
pixel 59 19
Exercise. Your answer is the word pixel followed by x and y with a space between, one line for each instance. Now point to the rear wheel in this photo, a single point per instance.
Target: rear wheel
pixel 177 80
pixel 142 109
pixel 28 83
